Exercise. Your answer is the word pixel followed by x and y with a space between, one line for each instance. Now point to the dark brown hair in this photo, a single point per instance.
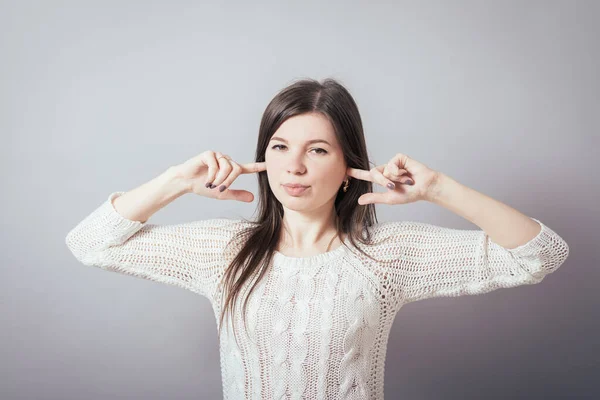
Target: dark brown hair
pixel 333 101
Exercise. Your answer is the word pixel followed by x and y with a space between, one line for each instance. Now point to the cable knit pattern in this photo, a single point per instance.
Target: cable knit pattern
pixel 326 325
pixel 362 316
pixel 318 326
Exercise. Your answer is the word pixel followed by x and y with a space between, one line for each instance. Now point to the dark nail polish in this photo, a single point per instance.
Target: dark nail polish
pixel 409 182
pixel 391 185
pixel 222 187
pixel 212 186
pixel 207 185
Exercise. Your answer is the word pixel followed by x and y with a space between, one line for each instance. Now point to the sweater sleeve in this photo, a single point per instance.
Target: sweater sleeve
pixel 188 255
pixel 426 261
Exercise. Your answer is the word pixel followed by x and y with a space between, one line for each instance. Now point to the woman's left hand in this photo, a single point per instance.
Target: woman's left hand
pixel 400 171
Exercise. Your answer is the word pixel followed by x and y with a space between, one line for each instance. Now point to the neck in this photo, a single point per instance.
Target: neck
pixel 303 235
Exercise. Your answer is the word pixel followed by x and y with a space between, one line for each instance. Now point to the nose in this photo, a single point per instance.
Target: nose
pixel 295 164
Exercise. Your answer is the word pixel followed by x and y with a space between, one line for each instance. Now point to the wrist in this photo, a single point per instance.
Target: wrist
pixel 175 182
pixel 436 188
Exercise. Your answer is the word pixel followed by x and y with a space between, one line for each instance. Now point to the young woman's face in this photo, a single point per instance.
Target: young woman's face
pixel 292 159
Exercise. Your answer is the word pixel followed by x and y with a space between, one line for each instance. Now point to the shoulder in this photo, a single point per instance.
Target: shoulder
pixel 388 229
pixel 208 229
pixel 378 238
pixel 398 229
pixel 387 238
pixel 230 224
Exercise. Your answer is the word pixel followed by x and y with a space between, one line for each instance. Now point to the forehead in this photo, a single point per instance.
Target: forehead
pixel 304 127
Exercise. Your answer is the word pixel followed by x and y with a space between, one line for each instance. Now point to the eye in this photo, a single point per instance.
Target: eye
pixel 318 149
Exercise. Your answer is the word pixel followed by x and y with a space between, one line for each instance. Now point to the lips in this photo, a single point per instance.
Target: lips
pixel 295 191
pixel 295 185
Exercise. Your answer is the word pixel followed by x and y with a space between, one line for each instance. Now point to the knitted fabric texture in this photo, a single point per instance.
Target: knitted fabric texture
pixel 318 326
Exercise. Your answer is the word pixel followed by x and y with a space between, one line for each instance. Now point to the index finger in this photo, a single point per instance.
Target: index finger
pixel 360 174
pixel 250 168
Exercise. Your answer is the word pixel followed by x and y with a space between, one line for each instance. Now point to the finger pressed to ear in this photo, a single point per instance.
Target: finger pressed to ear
pixel 359 174
pixel 253 167
pixel 230 170
pixel 374 175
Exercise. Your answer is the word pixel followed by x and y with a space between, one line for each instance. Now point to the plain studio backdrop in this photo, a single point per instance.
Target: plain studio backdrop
pixel 103 96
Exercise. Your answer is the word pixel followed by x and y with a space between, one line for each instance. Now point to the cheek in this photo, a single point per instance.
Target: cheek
pixel 328 181
pixel 274 166
pixel 270 168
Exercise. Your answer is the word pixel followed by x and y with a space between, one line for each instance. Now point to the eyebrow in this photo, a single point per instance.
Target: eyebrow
pixel 307 142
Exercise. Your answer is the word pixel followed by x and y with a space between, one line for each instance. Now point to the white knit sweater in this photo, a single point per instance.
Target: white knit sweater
pixel 318 325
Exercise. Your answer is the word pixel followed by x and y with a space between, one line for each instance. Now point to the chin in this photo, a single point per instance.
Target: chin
pixel 296 208
pixel 295 203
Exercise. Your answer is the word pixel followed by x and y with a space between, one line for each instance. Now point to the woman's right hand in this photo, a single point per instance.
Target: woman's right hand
pixel 220 170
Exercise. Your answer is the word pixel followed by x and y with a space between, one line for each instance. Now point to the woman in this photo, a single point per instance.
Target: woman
pixel 321 280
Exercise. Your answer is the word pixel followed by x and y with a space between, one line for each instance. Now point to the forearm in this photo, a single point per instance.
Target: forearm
pixel 141 203
pixel 503 224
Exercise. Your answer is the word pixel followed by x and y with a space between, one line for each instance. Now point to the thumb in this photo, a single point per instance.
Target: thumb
pixel 367 198
pixel 238 195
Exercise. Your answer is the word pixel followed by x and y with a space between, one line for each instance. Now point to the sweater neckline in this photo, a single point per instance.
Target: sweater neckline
pixel 280 260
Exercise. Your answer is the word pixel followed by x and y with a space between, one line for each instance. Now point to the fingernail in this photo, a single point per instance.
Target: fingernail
pixel 208 185
pixel 391 185
pixel 222 187
pixel 212 186
pixel 409 182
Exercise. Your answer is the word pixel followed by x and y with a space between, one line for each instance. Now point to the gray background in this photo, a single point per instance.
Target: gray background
pixel 103 96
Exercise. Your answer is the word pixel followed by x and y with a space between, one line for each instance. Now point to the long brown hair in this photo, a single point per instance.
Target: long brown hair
pixel 259 241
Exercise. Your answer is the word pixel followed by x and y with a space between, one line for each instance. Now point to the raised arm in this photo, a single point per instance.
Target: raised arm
pixel 117 237
pixel 188 255
pixel 431 261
